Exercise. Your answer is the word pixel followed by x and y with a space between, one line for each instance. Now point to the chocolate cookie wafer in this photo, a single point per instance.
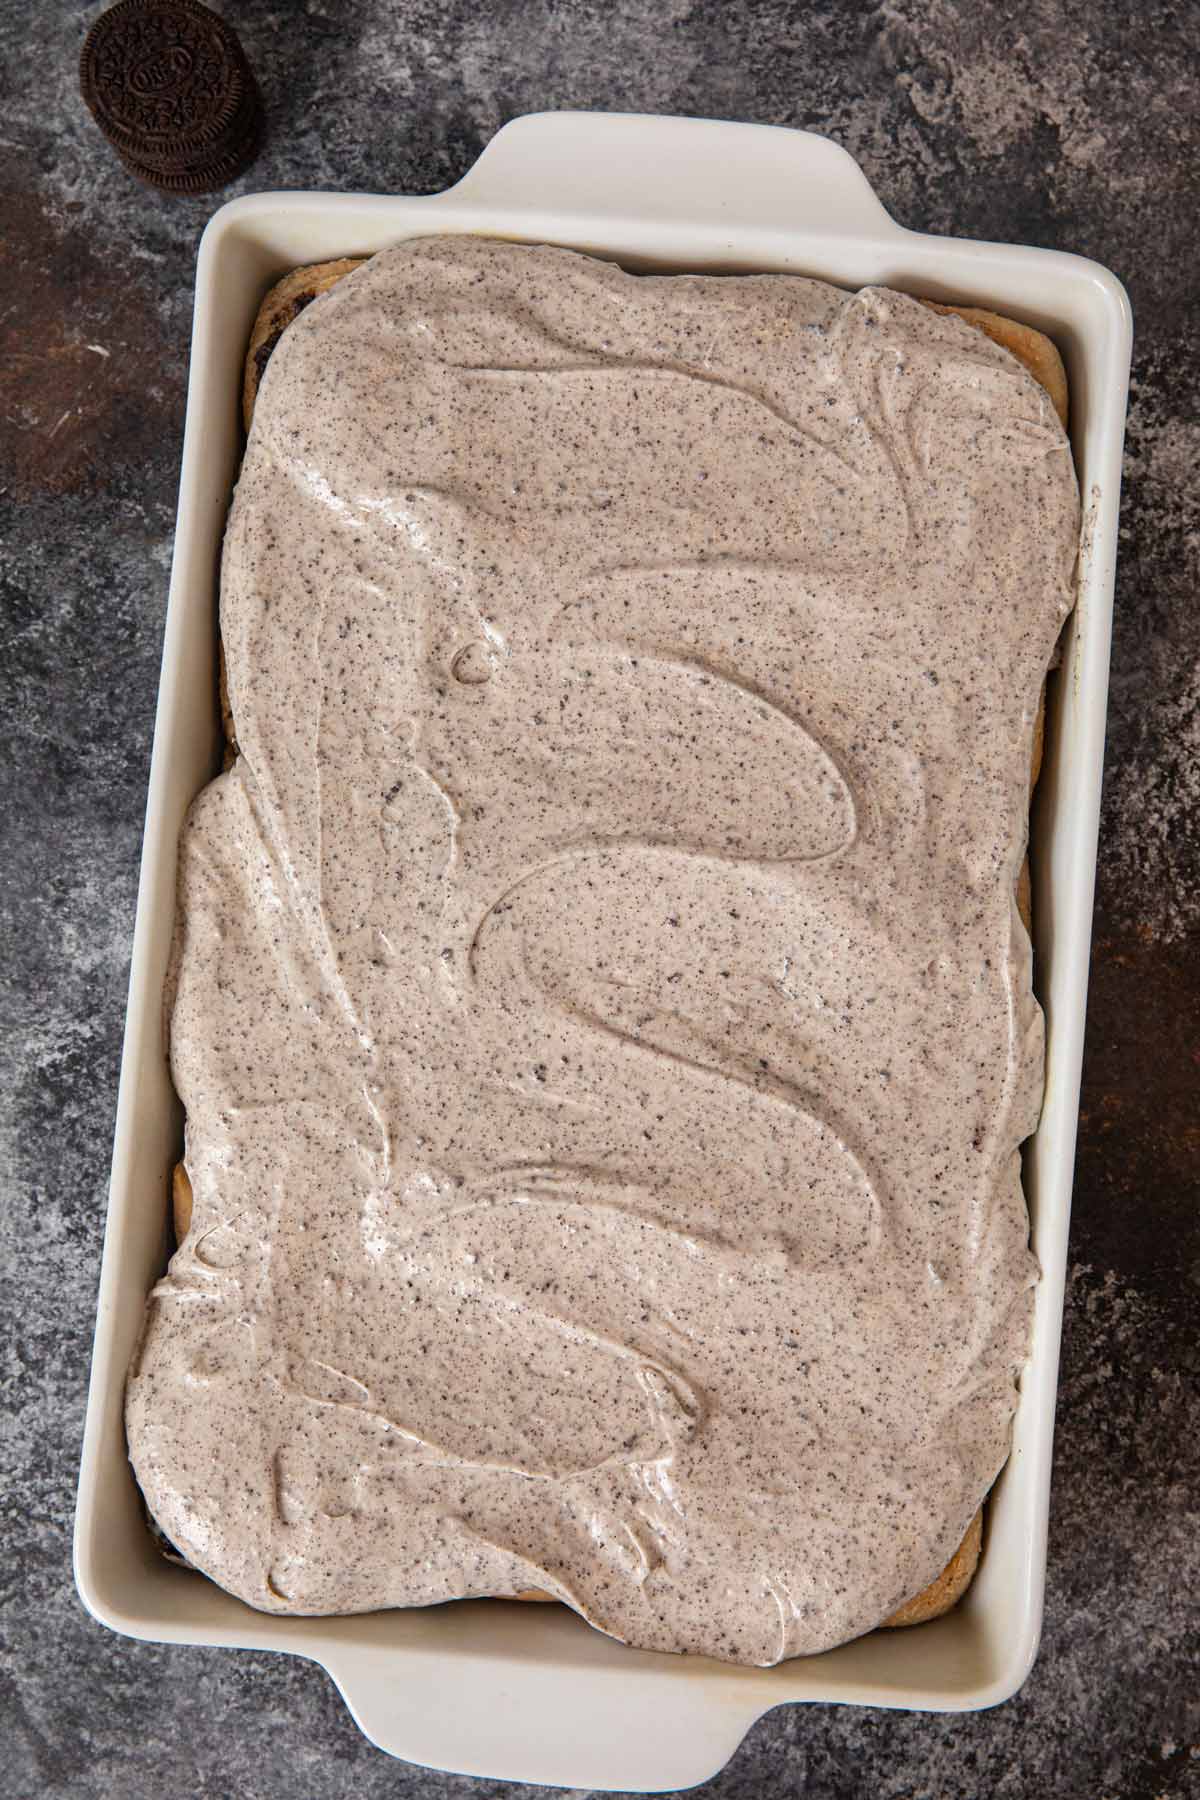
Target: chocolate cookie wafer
pixel 169 86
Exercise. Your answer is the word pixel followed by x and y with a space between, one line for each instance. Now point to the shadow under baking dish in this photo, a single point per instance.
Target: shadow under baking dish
pixel 531 1692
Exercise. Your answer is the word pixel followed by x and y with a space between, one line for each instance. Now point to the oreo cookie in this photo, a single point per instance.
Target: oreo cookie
pixel 216 173
pixel 169 86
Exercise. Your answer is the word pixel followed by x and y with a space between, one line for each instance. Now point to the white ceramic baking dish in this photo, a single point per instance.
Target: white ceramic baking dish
pixel 494 1688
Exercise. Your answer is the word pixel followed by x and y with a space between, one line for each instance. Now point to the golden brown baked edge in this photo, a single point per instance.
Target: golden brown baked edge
pixel 1038 355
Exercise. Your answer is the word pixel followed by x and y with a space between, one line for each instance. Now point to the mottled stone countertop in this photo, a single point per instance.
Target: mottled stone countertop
pixel 1057 123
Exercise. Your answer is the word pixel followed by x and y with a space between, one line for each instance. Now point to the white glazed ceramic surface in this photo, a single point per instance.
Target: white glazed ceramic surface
pixel 530 1692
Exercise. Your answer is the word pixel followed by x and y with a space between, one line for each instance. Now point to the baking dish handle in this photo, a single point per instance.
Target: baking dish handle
pixel 595 1723
pixel 666 171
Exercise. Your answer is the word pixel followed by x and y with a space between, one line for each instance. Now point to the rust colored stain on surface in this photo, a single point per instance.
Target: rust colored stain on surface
pixel 91 383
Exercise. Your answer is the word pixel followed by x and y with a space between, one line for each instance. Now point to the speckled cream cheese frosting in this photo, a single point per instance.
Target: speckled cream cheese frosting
pixel 599 1003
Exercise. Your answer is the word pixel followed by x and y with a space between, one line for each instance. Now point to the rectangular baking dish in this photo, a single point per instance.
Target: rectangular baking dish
pixel 494 1688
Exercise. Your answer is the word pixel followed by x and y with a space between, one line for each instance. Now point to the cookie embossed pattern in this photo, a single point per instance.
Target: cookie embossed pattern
pixel 168 84
pixel 672 196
